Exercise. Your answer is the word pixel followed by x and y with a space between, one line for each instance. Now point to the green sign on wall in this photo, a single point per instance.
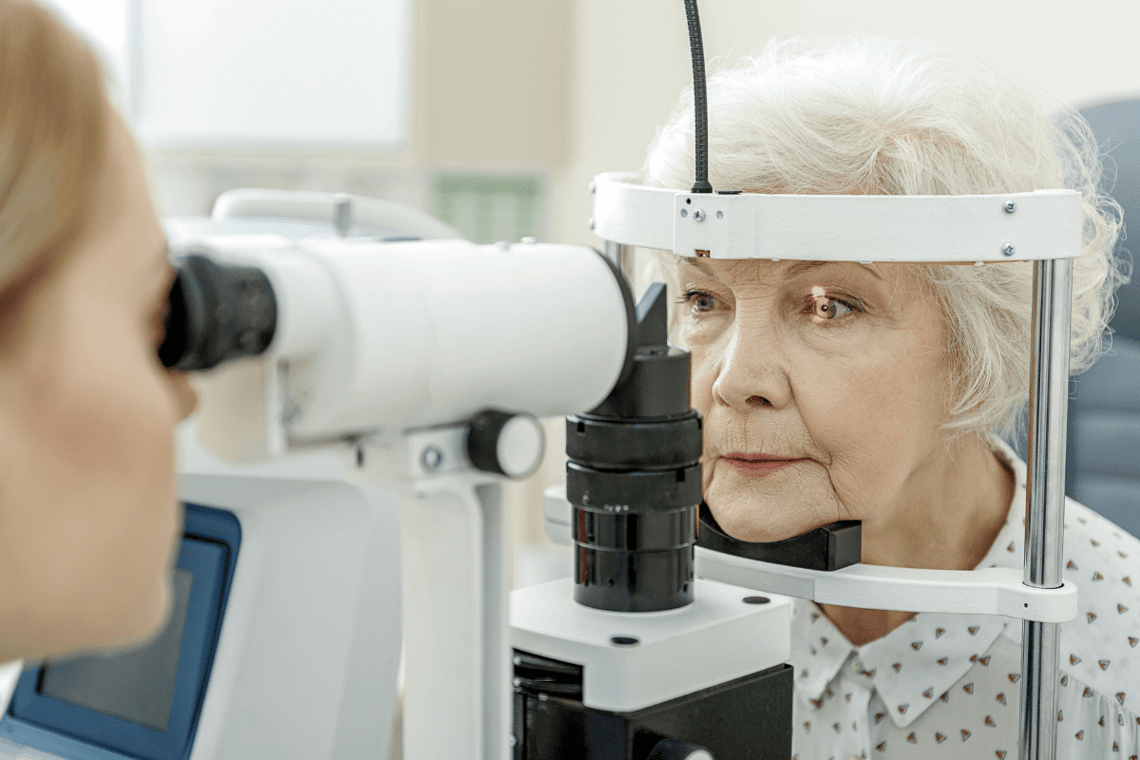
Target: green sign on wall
pixel 489 209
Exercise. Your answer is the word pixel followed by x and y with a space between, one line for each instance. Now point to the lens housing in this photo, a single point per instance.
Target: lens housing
pixel 634 480
pixel 217 312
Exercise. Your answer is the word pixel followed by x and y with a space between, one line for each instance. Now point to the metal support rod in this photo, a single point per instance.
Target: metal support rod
pixel 1045 499
pixel 621 256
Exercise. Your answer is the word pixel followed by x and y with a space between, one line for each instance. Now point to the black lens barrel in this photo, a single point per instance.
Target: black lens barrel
pixel 217 312
pixel 634 480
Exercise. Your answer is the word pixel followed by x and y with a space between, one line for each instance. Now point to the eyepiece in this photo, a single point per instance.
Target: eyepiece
pixel 218 312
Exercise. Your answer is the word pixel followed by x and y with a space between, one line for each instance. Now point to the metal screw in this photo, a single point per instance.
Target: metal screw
pixel 593 187
pixel 432 458
pixel 1010 207
pixel 699 215
pixel 591 222
pixel 684 213
pixel 1007 249
pixel 720 215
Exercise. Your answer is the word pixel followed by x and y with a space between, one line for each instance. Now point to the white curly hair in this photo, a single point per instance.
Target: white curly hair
pixel 875 116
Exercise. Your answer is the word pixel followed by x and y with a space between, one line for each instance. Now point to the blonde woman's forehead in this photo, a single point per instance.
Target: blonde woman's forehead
pixel 124 226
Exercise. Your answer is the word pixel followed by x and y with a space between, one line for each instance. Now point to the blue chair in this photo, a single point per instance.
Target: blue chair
pixel 1103 452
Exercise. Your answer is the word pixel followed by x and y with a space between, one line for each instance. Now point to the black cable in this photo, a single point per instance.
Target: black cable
pixel 700 105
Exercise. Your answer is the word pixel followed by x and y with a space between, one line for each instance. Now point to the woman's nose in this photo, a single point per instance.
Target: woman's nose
pixel 751 373
pixel 187 397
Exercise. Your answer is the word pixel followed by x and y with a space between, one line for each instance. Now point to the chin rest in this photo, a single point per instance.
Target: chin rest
pixel 831 547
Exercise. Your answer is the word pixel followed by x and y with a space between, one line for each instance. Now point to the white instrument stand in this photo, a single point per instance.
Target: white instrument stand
pixel 456 576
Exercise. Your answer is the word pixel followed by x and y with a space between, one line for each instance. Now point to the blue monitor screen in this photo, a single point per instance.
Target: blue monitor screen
pixel 138 685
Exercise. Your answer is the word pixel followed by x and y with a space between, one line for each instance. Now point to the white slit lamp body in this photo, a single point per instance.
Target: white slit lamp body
pixel 385 351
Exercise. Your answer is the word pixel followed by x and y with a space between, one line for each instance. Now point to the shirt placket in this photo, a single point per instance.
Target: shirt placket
pixel 855 693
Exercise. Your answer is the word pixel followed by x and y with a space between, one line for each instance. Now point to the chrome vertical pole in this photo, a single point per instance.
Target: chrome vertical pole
pixel 621 256
pixel 1045 499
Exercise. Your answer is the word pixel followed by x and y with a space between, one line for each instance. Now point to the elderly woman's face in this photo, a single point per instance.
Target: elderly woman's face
pixel 838 369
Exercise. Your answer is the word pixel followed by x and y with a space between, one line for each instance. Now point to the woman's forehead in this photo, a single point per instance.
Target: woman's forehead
pixel 125 235
pixel 768 270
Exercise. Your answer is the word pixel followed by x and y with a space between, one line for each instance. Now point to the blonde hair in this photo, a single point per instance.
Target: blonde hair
pixel 53 116
pixel 870 116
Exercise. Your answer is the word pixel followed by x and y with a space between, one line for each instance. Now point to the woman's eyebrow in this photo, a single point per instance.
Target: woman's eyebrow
pixel 695 262
pixel 803 266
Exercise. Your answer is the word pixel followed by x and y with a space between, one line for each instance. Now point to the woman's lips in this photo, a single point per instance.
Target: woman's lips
pixel 757 466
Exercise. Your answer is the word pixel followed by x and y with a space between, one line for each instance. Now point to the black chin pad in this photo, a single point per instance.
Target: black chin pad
pixel 831 547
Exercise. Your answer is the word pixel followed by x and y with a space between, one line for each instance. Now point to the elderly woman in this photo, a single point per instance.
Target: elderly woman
pixel 882 393
pixel 89 520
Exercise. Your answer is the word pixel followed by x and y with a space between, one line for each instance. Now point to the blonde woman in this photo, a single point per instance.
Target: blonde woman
pixel 882 393
pixel 89 520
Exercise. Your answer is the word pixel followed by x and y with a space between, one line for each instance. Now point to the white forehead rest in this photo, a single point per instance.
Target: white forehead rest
pixel 1045 224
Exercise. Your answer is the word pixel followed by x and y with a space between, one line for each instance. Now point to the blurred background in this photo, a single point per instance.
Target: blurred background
pixel 495 114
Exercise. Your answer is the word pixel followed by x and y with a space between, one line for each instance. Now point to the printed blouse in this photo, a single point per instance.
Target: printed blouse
pixel 949 686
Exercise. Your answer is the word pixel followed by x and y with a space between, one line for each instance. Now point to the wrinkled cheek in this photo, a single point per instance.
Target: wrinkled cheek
pixel 702 377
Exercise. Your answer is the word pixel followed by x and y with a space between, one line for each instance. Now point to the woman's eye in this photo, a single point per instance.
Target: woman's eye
pixel 699 301
pixel 830 309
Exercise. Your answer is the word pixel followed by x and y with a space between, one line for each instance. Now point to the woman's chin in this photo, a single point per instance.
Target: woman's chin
pixel 760 518
pixel 752 533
